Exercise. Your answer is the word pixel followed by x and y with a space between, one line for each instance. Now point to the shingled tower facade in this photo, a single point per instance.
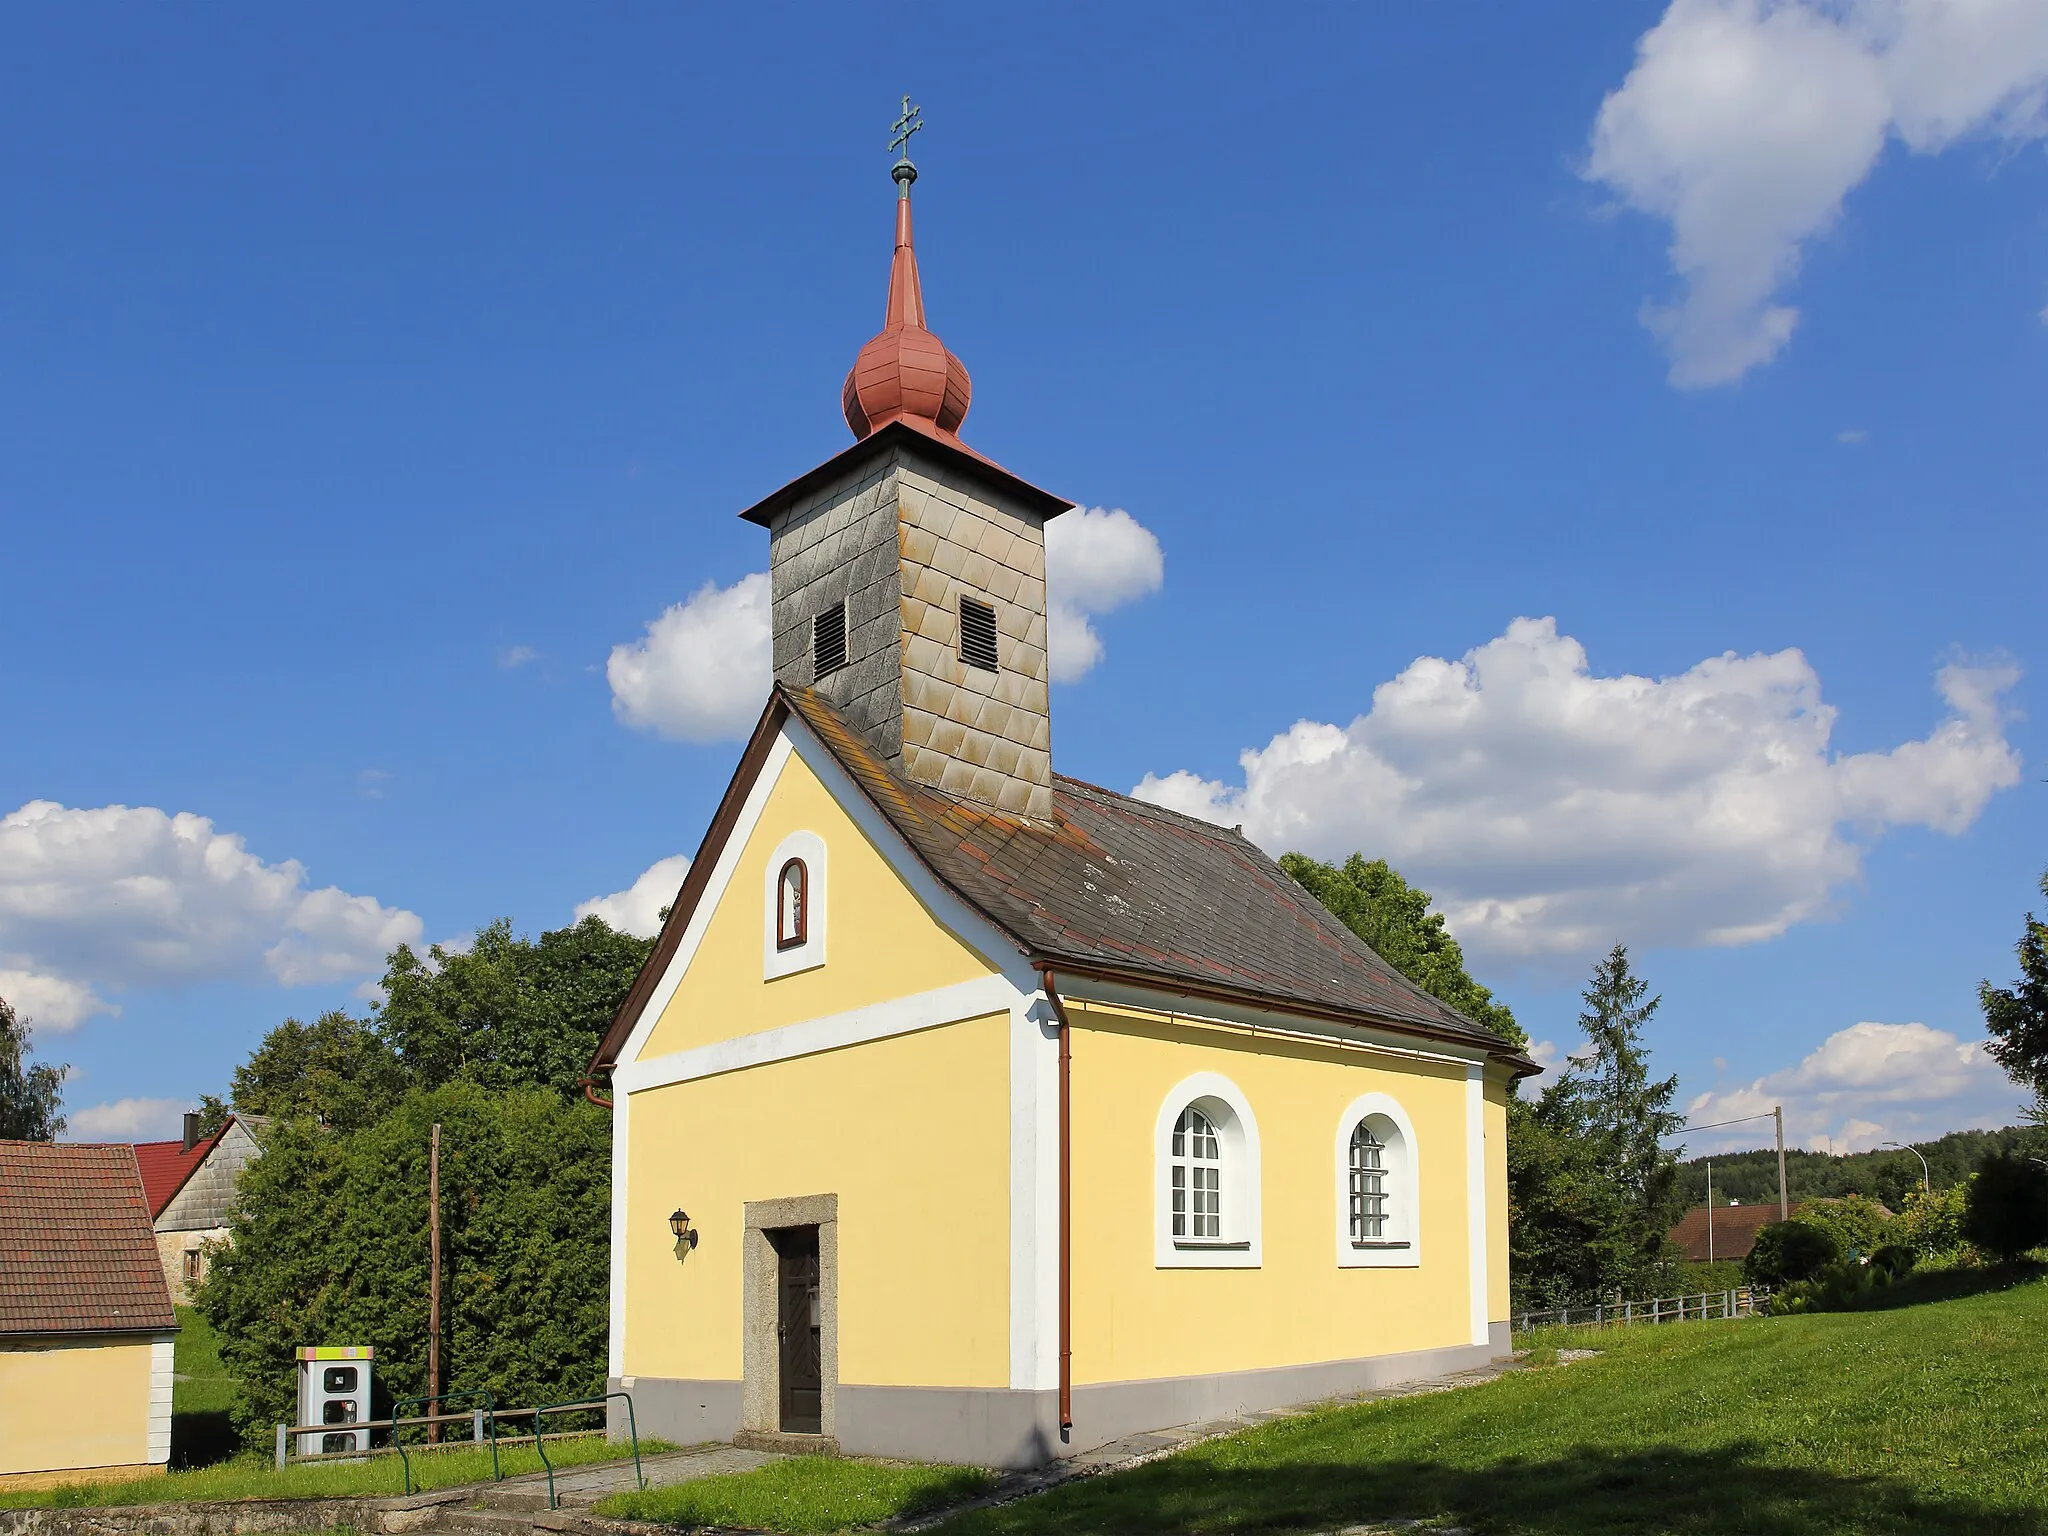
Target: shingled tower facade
pixel 908 572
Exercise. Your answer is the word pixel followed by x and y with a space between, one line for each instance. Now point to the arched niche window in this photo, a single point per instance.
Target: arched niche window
pixel 795 903
pixel 1207 1195
pixel 1378 1188
pixel 792 904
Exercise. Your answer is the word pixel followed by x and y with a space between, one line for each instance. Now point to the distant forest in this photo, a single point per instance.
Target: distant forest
pixel 1887 1174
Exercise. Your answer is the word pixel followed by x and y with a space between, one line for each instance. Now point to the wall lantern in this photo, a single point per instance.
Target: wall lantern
pixel 686 1235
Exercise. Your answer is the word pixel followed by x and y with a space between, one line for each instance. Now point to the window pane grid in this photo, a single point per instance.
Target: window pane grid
pixel 1368 1185
pixel 1197 1178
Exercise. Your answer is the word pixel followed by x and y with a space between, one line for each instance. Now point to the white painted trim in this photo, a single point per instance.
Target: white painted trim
pixel 1034 1194
pixel 1475 1193
pixel 1268 1021
pixel 621 1141
pixel 810 954
pixel 1238 1128
pixel 707 901
pixel 162 1363
pixel 899 1016
pixel 1404 1182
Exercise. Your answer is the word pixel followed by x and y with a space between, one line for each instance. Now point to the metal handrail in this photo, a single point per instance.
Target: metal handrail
pixel 540 1444
pixel 478 1418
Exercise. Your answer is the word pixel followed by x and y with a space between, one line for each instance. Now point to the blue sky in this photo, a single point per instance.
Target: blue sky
pixel 367 378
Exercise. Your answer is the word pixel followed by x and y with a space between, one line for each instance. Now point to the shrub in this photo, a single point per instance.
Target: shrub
pixel 2006 1210
pixel 1858 1224
pixel 1836 1288
pixel 1790 1251
pixel 1933 1223
pixel 1895 1259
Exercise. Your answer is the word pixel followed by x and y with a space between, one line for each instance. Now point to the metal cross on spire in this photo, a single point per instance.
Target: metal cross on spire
pixel 912 121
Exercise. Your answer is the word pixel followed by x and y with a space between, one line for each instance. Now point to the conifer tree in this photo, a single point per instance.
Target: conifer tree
pixel 1607 1096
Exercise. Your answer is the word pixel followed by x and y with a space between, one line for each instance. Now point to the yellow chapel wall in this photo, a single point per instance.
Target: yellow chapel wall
pixel 910 1132
pixel 1135 1321
pixel 880 942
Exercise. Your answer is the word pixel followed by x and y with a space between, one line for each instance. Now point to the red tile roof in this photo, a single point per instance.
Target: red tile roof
pixel 1735 1229
pixel 77 1252
pixel 166 1165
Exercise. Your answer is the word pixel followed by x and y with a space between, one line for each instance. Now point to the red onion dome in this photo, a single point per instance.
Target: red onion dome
pixel 905 370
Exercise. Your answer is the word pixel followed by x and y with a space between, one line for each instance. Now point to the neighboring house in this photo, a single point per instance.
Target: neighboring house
pixel 1001 1115
pixel 86 1325
pixel 1735 1228
pixel 191 1184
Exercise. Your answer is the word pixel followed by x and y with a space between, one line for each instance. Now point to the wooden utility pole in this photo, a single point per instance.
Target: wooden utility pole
pixel 1778 1119
pixel 1710 1210
pixel 434 1280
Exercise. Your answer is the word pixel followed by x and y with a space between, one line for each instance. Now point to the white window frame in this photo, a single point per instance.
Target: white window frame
pixel 1237 1131
pixel 1400 1244
pixel 809 955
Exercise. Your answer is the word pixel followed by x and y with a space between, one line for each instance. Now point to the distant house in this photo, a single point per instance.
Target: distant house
pixel 86 1323
pixel 191 1183
pixel 1735 1227
pixel 1734 1230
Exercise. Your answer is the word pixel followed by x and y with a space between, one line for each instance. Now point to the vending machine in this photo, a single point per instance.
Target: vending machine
pixel 334 1392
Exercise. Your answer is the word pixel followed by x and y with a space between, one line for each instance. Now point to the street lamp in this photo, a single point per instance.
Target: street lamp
pixel 1926 1184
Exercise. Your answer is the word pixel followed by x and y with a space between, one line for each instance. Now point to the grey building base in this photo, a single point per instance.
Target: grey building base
pixel 997 1427
pixel 684 1412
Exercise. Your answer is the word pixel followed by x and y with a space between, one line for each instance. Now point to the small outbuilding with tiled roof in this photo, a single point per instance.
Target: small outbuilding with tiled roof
pixel 86 1323
pixel 966 1111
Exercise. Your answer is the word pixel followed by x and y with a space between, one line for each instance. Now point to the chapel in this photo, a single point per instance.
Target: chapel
pixel 967 1111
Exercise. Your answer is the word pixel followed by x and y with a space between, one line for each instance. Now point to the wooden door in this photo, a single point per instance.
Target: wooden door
pixel 798 1330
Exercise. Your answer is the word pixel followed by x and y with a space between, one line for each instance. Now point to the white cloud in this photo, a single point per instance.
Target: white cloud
pixel 1851 436
pixel 1863 1085
pixel 129 896
pixel 515 656
pixel 703 668
pixel 1096 560
pixel 637 909
pixel 126 1120
pixel 1551 812
pixel 1744 123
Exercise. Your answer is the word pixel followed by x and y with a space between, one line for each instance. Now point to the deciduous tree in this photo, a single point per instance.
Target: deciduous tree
pixel 31 1096
pixel 2017 1016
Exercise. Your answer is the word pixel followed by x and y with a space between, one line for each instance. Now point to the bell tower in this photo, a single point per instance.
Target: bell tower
pixel 908 571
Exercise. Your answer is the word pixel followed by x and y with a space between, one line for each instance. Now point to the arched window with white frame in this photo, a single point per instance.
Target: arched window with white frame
pixel 794 906
pixel 1207 1193
pixel 1379 1212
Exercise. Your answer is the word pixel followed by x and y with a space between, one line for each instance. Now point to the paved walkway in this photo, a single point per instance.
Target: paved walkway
pixel 581 1487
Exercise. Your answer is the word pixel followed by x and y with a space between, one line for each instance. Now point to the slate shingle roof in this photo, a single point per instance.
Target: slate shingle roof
pixel 1111 887
pixel 77 1253
pixel 1117 885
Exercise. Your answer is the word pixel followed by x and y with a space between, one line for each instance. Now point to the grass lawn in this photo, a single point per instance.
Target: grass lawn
pixel 805 1494
pixel 200 1396
pixel 253 1476
pixel 1918 1418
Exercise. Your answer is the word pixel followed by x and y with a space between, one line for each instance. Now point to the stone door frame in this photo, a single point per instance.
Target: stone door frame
pixel 761 1358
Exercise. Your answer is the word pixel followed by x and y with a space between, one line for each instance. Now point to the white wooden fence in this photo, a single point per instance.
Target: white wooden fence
pixel 1740 1302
